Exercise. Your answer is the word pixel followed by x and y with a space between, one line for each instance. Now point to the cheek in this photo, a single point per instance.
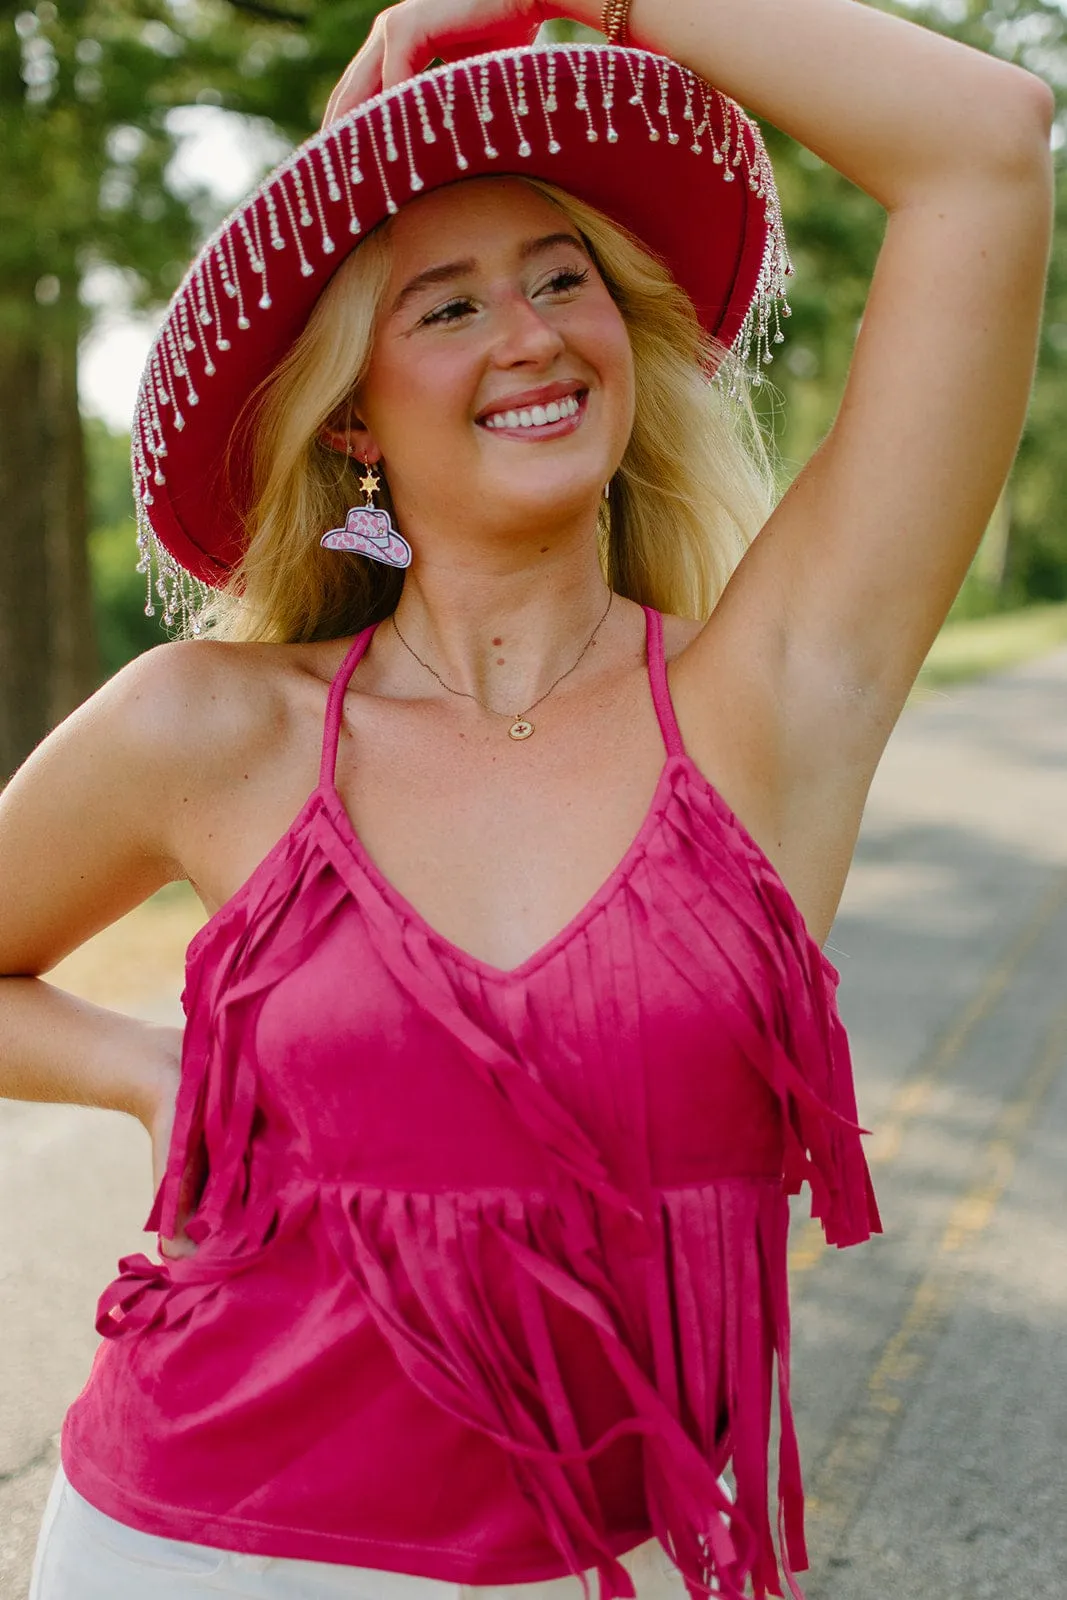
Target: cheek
pixel 608 345
pixel 618 376
pixel 425 392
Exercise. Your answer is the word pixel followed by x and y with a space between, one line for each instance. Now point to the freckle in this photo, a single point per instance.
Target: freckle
pixel 544 549
pixel 500 661
pixel 498 641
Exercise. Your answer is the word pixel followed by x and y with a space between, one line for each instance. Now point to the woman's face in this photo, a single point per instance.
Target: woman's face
pixel 500 388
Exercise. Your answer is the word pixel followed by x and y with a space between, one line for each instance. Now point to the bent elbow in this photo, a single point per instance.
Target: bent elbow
pixel 1024 131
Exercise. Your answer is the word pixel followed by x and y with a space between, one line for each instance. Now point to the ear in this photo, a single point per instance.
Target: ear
pixel 355 441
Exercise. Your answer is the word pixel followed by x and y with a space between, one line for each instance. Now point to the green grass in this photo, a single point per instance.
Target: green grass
pixel 972 649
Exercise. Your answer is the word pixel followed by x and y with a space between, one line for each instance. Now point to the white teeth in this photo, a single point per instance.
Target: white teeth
pixel 535 416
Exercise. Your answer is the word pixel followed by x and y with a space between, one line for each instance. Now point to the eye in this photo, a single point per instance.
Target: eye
pixel 454 310
pixel 451 311
pixel 568 278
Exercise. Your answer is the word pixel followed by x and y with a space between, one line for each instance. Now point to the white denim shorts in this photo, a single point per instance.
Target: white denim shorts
pixel 82 1554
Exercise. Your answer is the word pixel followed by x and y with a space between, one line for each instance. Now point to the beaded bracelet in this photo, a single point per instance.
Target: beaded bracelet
pixel 613 20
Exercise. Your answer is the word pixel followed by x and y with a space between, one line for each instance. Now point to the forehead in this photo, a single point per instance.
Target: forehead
pixel 468 218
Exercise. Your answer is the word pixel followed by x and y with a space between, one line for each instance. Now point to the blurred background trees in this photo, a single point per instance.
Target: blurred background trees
pixel 91 106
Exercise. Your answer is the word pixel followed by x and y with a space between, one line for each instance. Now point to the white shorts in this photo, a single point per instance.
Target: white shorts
pixel 84 1555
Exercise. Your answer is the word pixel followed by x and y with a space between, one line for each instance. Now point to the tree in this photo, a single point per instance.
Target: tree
pixel 85 152
pixel 85 92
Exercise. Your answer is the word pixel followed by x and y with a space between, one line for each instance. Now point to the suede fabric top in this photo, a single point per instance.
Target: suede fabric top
pixel 491 1279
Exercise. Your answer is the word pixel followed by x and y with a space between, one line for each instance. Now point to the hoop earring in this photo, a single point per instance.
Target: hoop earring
pixel 368 529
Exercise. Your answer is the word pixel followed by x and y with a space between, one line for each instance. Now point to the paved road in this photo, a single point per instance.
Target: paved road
pixel 931 1365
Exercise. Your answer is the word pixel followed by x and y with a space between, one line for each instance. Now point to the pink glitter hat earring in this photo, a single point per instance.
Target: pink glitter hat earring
pixel 368 529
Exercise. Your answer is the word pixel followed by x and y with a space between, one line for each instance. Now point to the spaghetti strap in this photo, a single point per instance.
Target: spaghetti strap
pixel 657 677
pixel 332 728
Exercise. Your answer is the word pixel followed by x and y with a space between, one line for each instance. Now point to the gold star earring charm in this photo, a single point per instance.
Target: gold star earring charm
pixel 369 482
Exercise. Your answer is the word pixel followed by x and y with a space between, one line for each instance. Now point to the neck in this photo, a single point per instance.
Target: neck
pixel 501 636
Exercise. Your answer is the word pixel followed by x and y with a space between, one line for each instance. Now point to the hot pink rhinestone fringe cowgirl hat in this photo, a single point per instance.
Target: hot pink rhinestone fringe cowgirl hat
pixel 644 140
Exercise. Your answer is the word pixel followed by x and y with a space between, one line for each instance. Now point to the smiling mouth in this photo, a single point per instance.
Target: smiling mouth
pixel 549 421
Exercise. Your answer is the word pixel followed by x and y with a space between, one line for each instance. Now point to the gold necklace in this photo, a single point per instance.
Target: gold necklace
pixel 521 726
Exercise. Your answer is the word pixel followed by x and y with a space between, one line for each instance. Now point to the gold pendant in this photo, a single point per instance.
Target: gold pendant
pixel 520 729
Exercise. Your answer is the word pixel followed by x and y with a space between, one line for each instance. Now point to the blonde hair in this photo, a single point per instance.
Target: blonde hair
pixel 694 487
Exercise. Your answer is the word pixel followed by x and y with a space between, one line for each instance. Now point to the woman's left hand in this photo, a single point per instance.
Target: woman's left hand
pixel 405 38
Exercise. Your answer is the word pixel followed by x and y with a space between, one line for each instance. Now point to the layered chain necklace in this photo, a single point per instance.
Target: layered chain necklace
pixel 521 726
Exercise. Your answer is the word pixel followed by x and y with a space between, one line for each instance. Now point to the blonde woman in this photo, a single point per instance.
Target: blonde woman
pixel 520 781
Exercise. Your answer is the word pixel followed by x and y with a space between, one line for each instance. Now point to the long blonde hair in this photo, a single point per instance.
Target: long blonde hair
pixel 694 487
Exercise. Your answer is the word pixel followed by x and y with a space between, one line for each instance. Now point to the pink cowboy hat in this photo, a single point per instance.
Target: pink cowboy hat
pixel 644 140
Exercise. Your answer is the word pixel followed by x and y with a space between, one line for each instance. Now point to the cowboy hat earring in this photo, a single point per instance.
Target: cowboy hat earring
pixel 368 529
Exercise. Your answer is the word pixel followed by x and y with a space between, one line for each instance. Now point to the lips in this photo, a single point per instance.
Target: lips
pixel 535 418
pixel 532 424
pixel 526 399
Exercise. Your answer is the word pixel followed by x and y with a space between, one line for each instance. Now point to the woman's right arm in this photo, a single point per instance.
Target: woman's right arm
pixel 89 829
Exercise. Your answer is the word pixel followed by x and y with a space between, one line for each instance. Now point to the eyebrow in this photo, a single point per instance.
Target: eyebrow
pixel 448 270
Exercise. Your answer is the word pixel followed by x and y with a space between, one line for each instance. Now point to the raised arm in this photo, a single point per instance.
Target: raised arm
pixel 841 595
pixel 852 577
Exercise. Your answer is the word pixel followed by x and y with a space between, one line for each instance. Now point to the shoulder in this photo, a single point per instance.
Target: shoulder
pixel 192 698
pixel 678 633
pixel 186 716
pixel 111 804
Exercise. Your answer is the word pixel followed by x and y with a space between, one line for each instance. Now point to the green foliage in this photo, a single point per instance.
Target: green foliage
pixel 84 93
pixel 835 232
pixel 110 494
pixel 122 628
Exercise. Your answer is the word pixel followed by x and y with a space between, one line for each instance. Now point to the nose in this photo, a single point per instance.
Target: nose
pixel 524 334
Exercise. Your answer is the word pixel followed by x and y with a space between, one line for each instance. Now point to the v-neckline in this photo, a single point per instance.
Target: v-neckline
pixel 349 833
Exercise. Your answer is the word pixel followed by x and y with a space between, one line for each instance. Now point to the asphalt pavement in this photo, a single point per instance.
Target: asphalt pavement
pixel 930 1366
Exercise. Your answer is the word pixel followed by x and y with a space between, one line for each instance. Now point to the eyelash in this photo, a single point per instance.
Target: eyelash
pixel 569 278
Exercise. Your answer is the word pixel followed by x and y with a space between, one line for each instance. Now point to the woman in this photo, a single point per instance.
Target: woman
pixel 503 1056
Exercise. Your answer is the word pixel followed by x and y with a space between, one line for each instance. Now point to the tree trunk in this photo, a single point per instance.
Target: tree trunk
pixel 74 663
pixel 48 659
pixel 24 626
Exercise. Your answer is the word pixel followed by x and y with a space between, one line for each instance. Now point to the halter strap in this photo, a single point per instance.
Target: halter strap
pixel 657 677
pixel 331 732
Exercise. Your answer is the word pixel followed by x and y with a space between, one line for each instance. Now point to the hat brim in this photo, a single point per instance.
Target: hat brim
pixel 642 139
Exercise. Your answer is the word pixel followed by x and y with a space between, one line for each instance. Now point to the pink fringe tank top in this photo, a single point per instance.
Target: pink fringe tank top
pixel 491 1279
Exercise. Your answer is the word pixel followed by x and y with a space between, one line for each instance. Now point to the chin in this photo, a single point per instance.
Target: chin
pixel 548 497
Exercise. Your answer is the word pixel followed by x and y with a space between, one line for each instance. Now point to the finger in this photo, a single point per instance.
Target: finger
pixel 399 58
pixel 361 79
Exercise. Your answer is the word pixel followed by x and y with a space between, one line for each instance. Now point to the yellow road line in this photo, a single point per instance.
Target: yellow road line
pixel 915 1093
pixel 851 1462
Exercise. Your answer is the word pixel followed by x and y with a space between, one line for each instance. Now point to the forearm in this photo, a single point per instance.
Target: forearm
pixel 55 1047
pixel 893 106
